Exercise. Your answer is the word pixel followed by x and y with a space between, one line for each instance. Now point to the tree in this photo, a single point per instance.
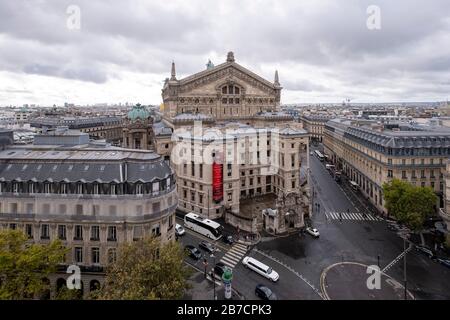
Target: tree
pixel 146 269
pixel 409 204
pixel 24 267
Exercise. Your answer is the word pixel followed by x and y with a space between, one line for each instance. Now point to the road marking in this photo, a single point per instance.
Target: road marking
pixel 233 258
pixel 242 251
pixel 397 258
pixel 359 216
pixel 293 271
pixel 228 261
pixel 353 216
pixel 234 255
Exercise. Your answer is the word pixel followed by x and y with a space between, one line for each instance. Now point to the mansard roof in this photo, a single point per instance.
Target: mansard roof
pixel 104 166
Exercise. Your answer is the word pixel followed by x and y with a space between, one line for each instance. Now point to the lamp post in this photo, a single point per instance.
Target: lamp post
pixel 212 270
pixel 212 275
pixel 404 267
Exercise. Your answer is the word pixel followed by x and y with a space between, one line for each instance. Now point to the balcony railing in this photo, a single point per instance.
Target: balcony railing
pixel 87 196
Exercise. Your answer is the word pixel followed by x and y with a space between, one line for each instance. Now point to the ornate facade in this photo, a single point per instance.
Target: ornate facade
pixel 137 130
pixel 92 198
pixel 224 92
pixel 241 111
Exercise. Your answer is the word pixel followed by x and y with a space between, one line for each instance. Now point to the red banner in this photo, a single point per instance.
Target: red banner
pixel 217 181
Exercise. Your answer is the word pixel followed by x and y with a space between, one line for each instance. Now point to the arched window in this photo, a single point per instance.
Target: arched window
pixel 94 285
pixel 112 255
pixel 231 94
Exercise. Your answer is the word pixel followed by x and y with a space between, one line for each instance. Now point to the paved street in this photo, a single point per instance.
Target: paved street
pixel 359 237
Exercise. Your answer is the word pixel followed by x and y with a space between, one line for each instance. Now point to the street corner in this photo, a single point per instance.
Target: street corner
pixel 357 281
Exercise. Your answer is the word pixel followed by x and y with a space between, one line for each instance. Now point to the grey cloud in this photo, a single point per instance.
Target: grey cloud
pixel 145 36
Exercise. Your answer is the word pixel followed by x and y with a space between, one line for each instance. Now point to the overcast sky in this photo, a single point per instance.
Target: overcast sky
pixel 323 49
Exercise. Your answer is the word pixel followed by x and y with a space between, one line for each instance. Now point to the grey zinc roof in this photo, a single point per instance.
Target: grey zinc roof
pixel 410 137
pixel 147 172
pixel 104 166
pixel 70 172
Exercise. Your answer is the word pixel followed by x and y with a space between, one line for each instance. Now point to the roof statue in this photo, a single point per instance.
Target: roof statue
pixel 230 56
pixel 209 65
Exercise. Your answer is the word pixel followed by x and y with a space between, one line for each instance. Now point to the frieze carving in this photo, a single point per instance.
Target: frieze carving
pixel 230 71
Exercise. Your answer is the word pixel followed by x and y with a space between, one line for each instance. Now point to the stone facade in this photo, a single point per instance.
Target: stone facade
pixel 240 109
pixel 92 199
pixel 372 153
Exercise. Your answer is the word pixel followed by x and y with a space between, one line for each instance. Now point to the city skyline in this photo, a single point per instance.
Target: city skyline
pixel 324 53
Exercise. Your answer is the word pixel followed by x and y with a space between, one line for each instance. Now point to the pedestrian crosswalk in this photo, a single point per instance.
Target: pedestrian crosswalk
pixel 234 255
pixel 355 216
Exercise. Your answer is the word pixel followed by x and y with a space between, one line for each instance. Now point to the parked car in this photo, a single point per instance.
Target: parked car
pixel 313 231
pixel 260 268
pixel 228 239
pixel 207 246
pixel 425 250
pixel 445 262
pixel 192 252
pixel 220 268
pixel 393 226
pixel 179 230
pixel 265 293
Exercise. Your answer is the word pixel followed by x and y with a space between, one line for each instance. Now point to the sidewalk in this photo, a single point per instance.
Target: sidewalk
pixel 203 289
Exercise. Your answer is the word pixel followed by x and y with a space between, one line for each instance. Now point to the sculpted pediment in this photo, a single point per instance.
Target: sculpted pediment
pixel 210 82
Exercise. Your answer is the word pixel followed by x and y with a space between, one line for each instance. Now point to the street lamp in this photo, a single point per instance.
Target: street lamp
pixel 405 282
pixel 212 275
pixel 212 270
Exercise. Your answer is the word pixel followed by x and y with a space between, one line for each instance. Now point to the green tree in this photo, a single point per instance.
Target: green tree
pixel 146 269
pixel 24 267
pixel 409 204
pixel 64 293
pixel 447 241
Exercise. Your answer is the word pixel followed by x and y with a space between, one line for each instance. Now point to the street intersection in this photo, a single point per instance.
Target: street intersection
pixel 352 237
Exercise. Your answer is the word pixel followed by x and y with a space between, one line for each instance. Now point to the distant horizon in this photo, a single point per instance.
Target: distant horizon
pixel 102 104
pixel 91 51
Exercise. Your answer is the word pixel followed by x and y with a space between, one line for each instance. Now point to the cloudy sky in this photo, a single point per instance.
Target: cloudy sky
pixel 323 49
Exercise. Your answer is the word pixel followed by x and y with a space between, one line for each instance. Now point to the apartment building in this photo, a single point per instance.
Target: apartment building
pixel 372 153
pixel 91 198
pixel 314 125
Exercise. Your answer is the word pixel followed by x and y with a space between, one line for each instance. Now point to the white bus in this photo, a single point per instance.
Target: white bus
pixel 319 155
pixel 206 227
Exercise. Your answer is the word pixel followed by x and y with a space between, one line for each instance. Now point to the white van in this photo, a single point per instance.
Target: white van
pixel 260 268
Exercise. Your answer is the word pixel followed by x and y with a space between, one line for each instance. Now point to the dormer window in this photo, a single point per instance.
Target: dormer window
pixel 139 188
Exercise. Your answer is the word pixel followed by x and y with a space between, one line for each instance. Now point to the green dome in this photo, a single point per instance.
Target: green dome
pixel 138 112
